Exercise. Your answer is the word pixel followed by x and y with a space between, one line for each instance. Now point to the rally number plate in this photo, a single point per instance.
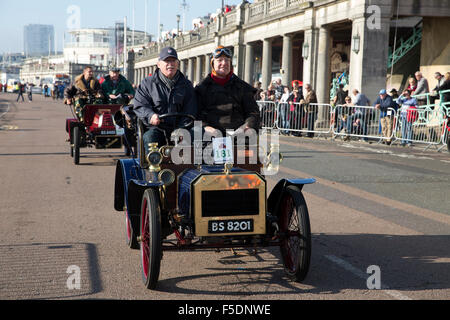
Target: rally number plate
pixel 230 226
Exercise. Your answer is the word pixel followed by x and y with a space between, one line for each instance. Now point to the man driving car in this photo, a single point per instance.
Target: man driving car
pixel 85 89
pixel 167 91
pixel 116 88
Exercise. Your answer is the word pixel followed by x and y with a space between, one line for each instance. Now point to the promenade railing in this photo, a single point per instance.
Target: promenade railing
pixel 423 124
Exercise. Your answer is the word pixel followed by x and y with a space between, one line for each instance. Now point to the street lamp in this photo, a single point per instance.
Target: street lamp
pixel 178 24
pixel 356 43
pixel 305 52
pixel 160 31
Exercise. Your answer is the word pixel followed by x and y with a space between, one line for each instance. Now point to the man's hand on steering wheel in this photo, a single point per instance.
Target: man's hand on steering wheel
pixel 158 120
pixel 154 120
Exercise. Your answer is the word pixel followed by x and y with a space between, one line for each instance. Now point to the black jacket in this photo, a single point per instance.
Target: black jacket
pixel 153 96
pixel 229 106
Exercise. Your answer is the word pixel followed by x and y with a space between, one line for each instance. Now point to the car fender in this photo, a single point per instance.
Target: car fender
pixel 126 171
pixel 69 122
pixel 136 189
pixel 273 201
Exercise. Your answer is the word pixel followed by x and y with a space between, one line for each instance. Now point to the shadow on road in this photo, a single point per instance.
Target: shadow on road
pixel 42 270
pixel 410 263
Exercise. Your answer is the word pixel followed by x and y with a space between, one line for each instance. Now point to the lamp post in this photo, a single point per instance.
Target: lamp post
pixel 305 52
pixel 160 32
pixel 178 25
pixel 356 43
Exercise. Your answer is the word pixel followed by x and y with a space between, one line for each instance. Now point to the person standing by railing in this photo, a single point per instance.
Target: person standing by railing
pixel 385 104
pixel 412 85
pixel 284 110
pixel 311 110
pixel 439 86
pixel 296 112
pixel 422 88
pixel 446 86
pixel 408 114
pixel 343 112
pixel 359 118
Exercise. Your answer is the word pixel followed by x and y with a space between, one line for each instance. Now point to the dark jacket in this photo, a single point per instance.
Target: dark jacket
pixel 123 86
pixel 385 103
pixel 153 96
pixel 229 106
pixel 444 87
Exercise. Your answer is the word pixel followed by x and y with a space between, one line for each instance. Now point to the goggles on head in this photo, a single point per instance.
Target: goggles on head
pixel 221 51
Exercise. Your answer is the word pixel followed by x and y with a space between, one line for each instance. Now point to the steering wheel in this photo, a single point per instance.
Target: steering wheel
pixel 177 116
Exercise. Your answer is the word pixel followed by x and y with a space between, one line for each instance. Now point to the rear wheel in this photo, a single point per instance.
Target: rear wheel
pixel 296 234
pixel 151 242
pixel 76 145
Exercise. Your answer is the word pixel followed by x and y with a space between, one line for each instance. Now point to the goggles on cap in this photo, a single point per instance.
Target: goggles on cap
pixel 220 51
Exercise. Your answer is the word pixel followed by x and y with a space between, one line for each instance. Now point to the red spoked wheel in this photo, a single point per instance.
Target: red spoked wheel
pixel 296 234
pixel 130 236
pixel 151 242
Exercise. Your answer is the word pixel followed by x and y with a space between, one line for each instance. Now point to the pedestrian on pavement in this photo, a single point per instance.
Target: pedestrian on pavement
pixel 20 92
pixel 30 92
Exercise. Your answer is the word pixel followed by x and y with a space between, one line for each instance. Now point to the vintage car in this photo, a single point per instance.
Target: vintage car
pixel 96 129
pixel 172 206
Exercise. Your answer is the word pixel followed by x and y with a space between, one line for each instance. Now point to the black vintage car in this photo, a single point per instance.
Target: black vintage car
pixel 177 206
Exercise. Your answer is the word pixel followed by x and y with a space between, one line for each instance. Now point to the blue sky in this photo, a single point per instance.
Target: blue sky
pixel 14 15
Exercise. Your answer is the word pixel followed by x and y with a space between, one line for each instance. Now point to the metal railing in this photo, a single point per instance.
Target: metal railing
pixel 363 121
pixel 425 125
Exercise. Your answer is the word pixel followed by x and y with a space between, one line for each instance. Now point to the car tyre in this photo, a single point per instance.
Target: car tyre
pixel 296 234
pixel 76 145
pixel 151 241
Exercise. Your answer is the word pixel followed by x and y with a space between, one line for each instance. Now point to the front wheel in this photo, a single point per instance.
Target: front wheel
pixel 296 234
pixel 151 242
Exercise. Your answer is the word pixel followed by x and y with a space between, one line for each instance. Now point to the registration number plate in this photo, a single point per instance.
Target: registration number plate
pixel 230 226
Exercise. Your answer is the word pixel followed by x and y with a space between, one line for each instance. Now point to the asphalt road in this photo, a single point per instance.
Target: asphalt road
pixel 373 208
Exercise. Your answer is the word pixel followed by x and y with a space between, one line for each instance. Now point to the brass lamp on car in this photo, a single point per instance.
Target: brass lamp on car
pixel 154 157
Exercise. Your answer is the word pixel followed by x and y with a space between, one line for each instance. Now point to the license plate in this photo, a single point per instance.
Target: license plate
pixel 108 132
pixel 230 226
